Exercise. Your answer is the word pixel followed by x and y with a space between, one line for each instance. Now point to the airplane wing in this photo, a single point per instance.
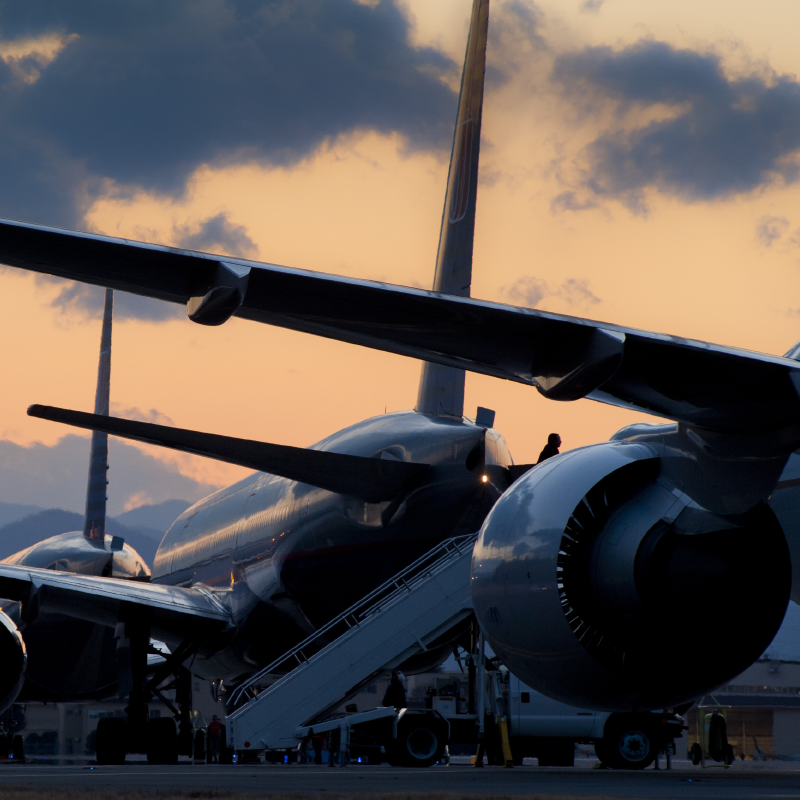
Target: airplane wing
pixel 105 601
pixel 707 386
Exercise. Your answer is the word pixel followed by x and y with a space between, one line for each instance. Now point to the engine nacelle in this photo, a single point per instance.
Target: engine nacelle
pixel 13 660
pixel 601 585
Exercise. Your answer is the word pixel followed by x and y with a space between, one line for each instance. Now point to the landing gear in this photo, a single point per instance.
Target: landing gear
pixel 162 741
pixel 111 739
pixel 628 743
pixel 420 743
pixel 160 738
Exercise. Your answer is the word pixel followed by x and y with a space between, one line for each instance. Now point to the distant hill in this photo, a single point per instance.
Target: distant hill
pixel 11 512
pixel 41 525
pixel 158 516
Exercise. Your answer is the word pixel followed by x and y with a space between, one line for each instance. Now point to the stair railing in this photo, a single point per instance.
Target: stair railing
pixel 386 594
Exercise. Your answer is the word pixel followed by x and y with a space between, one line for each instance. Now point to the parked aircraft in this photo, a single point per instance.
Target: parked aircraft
pixel 593 574
pixel 253 569
pixel 85 668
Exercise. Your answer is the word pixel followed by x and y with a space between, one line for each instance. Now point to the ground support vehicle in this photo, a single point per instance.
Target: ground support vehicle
pixel 536 726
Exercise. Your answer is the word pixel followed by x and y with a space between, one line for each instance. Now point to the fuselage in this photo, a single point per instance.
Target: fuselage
pixel 287 557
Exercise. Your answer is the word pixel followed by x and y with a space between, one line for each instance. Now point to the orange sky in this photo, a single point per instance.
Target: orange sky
pixel 361 206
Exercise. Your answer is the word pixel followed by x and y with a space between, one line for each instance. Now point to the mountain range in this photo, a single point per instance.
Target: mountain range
pixel 143 528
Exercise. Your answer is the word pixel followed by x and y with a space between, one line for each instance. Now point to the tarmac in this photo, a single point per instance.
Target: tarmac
pixel 748 780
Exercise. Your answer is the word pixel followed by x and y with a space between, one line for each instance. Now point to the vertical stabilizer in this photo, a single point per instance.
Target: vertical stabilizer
pixel 441 389
pixel 94 525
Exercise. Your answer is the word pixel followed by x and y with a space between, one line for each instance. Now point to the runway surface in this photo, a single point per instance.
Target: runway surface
pixel 745 781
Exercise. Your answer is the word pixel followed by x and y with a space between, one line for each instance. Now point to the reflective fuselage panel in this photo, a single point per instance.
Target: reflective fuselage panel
pixel 288 557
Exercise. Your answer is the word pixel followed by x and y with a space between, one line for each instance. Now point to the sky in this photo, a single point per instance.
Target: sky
pixel 640 165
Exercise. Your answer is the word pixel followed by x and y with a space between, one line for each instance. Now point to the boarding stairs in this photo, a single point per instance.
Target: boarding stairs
pixel 396 621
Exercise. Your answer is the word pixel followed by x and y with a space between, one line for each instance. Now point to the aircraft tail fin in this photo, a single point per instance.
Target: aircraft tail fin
pixel 94 524
pixel 794 352
pixel 441 388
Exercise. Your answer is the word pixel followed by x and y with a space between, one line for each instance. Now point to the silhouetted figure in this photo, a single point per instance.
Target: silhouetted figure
pixel 551 448
pixel 214 737
pixel 395 693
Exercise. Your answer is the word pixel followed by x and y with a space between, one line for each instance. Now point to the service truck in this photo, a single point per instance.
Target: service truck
pixel 507 722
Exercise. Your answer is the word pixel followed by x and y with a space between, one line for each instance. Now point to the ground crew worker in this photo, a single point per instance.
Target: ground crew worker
pixel 396 692
pixel 214 738
pixel 551 448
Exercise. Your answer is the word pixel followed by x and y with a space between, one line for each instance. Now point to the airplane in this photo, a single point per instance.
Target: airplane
pixel 594 574
pixel 253 569
pixel 85 668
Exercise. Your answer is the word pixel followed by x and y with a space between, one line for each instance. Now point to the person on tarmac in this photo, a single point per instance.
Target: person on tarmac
pixel 214 737
pixel 396 692
pixel 551 448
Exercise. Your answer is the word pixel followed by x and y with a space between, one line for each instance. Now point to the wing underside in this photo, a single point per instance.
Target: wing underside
pixel 707 386
pixel 170 609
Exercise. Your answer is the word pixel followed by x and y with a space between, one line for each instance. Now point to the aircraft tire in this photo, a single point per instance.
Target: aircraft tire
pixel 729 756
pixel 628 743
pixel 420 743
pixel 111 744
pixel 162 741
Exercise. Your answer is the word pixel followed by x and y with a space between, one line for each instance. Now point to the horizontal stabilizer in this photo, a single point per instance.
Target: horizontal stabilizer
pixel 370 479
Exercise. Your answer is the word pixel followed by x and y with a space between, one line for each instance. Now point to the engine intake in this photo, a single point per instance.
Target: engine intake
pixel 602 585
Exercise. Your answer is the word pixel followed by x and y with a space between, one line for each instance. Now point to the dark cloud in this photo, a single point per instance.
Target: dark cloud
pixel 218 235
pixel 591 6
pixel 148 91
pixel 725 136
pixel 530 291
pixel 48 477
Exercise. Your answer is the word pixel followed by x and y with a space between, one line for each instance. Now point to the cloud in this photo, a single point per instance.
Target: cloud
pixel 83 300
pixel 722 136
pixel 55 477
pixel 774 233
pixel 218 235
pixel 577 293
pixel 569 201
pixel 150 415
pixel 591 6
pixel 143 93
pixel 514 42
pixel 771 230
pixel 530 291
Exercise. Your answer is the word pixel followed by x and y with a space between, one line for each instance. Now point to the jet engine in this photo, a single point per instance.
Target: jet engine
pixel 601 585
pixel 13 660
